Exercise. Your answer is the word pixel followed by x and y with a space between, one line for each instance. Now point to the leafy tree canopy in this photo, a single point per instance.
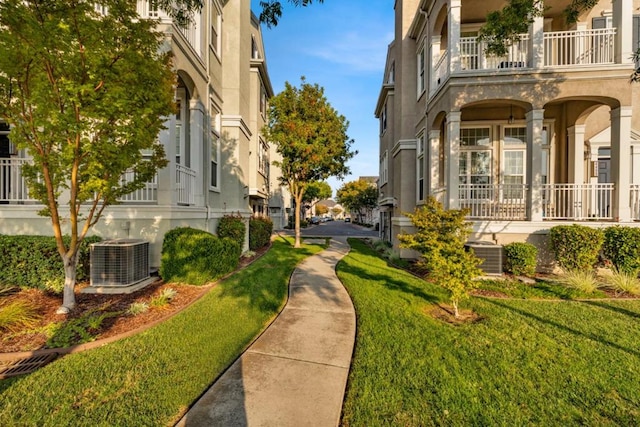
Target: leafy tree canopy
pixel 85 94
pixel 358 195
pixel 311 136
pixel 272 10
pixel 316 191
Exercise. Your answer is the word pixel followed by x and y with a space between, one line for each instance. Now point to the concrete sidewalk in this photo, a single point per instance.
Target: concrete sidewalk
pixel 295 373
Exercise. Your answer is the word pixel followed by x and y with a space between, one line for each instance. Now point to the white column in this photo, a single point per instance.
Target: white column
pixel 197 128
pixel 455 11
pixel 623 21
pixel 167 176
pixel 434 160
pixel 576 154
pixel 536 43
pixel 621 162
pixel 635 164
pixel 534 164
pixel 452 153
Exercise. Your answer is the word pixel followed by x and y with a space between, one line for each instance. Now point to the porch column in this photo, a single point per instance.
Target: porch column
pixel 635 164
pixel 623 21
pixel 536 43
pixel 455 7
pixel 433 153
pixel 621 162
pixel 534 164
pixel 576 154
pixel 166 190
pixel 197 129
pixel 435 56
pixel 452 153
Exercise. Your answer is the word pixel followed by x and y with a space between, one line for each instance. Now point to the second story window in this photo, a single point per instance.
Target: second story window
pixel 384 169
pixel 420 166
pixel 383 119
pixel 263 100
pixel 420 71
pixel 255 53
pixel 215 29
pixel 263 159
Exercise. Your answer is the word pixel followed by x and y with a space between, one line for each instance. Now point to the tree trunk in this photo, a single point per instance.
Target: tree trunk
pixel 297 223
pixel 456 313
pixel 68 295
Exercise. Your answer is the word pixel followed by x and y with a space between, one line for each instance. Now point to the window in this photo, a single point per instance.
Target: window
pixel 215 29
pixel 255 54
pixel 383 119
pixel 263 158
pixel 420 166
pixel 636 38
pixel 384 168
pixel 515 146
pixel 263 100
pixel 421 62
pixel 474 163
pixel 214 155
pixel 392 73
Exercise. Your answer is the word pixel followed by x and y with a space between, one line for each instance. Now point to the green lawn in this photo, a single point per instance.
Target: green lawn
pixel 527 362
pixel 150 378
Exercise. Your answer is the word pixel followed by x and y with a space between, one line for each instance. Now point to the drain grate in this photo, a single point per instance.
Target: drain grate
pixel 25 365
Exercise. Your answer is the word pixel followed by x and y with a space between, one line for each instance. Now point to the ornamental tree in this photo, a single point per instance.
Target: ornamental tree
pixel 316 191
pixel 439 238
pixel 358 196
pixel 85 94
pixel 311 136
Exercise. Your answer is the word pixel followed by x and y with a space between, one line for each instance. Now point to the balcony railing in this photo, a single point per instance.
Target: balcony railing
pixel 473 57
pixel 147 9
pixel 185 185
pixel 494 201
pixel 577 201
pixel 13 187
pixel 580 47
pixel 635 202
pixel 146 194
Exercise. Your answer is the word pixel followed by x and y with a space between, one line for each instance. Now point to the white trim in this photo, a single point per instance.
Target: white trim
pixel 237 121
pixel 403 144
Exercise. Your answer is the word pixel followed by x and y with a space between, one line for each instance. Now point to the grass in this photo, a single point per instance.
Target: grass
pixel 153 377
pixel 544 289
pixel 542 362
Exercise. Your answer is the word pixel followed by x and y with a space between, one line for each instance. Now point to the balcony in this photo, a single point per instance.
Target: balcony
pixel 561 49
pixel 13 186
pixel 576 202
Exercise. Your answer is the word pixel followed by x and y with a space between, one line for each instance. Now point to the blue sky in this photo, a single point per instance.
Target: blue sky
pixel 341 45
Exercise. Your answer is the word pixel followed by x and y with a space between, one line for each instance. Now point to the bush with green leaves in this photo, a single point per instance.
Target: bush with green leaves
pixel 34 262
pixel 576 247
pixel 440 238
pixel 520 258
pixel 622 247
pixel 260 229
pixel 232 226
pixel 197 257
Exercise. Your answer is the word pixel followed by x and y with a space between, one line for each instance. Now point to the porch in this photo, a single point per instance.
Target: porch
pixel 14 190
pixel 573 202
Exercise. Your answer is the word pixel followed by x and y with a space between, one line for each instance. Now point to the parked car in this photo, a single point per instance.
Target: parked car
pixel 315 220
pixel 347 220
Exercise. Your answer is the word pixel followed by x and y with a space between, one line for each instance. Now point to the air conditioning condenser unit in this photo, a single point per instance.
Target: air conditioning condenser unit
pixel 119 262
pixel 490 254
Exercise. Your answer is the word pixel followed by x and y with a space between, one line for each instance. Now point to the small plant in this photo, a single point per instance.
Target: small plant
pixel 520 258
pixel 136 308
pixel 77 331
pixel 583 280
pixel 163 298
pixel 381 246
pixel 623 282
pixel 248 254
pixel 18 314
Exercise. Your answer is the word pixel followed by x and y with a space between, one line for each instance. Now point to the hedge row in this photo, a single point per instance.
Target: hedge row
pixel 260 229
pixel 232 226
pixel 197 257
pixel 34 261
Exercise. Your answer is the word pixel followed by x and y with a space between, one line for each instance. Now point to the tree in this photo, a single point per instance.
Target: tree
pixel 315 192
pixel 310 136
pixel 272 10
pixel 335 211
pixel 321 210
pixel 357 196
pixel 85 94
pixel 440 238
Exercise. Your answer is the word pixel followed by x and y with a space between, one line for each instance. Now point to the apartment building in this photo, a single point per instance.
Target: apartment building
pixel 218 160
pixel 548 134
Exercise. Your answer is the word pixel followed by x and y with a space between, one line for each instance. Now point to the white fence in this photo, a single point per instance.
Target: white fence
pixel 13 187
pixel 494 201
pixel 185 185
pixel 577 201
pixel 580 47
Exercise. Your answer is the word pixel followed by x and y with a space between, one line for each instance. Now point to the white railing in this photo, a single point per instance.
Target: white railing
pixel 13 187
pixel 580 47
pixel 190 32
pixel 473 57
pixel 577 201
pixel 494 201
pixel 185 185
pixel 440 71
pixel 146 194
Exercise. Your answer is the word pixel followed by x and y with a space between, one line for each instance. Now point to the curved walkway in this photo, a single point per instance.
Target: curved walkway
pixel 295 373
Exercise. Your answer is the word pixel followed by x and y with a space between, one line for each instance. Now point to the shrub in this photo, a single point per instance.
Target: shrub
pixel 582 280
pixel 623 282
pixel 622 247
pixel 520 258
pixel 196 256
pixel 163 298
pixel 232 226
pixel 260 229
pixel 18 314
pixel 440 238
pixel 136 308
pixel 576 247
pixel 34 261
